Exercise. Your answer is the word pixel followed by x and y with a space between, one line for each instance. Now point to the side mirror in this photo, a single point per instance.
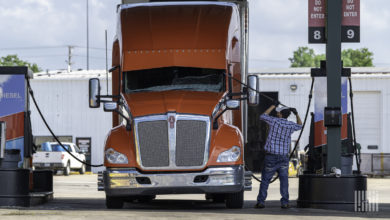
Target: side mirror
pixel 3 130
pixel 253 96
pixel 110 106
pixel 233 104
pixel 94 93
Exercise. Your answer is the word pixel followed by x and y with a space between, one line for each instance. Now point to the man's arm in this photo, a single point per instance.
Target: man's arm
pixel 269 110
pixel 299 121
pixel 272 107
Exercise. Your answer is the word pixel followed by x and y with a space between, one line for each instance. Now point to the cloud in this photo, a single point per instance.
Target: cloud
pixel 277 28
pixel 38 23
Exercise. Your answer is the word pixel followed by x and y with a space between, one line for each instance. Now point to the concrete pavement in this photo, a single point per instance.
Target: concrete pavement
pixel 76 197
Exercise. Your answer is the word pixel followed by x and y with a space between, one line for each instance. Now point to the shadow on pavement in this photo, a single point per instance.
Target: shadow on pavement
pixel 192 206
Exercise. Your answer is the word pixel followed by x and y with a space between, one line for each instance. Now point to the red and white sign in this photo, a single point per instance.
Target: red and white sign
pixel 317 11
pixel 351 13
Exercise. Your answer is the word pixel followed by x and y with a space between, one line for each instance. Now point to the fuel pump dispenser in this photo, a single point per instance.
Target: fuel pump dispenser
pixel 20 185
pixel 328 181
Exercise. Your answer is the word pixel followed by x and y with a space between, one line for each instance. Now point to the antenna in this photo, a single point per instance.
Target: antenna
pixel 87 37
pixel 106 61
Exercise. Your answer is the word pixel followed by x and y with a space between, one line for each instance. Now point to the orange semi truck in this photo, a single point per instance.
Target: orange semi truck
pixel 179 115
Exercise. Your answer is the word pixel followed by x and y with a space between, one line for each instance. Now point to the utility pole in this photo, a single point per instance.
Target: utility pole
pixel 87 36
pixel 69 61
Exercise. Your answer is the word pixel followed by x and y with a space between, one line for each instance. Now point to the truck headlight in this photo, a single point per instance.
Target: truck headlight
pixel 231 155
pixel 115 157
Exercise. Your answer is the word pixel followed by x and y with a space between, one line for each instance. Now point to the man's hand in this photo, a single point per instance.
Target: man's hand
pixel 294 110
pixel 276 103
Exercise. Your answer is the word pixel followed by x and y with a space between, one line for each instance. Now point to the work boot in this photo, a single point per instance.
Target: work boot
pixel 285 206
pixel 259 206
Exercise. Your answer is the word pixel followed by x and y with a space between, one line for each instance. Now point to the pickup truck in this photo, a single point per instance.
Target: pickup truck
pixel 53 156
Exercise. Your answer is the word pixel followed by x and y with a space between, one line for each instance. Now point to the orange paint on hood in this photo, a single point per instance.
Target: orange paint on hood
pixel 173 35
pixel 189 102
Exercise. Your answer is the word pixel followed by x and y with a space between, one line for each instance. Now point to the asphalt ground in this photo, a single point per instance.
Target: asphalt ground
pixel 76 197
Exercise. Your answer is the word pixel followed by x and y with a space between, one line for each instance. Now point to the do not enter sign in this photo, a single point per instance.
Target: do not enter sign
pixel 350 24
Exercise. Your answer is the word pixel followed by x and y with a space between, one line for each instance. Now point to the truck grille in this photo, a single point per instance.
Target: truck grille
pixel 154 141
pixel 190 143
pixel 172 141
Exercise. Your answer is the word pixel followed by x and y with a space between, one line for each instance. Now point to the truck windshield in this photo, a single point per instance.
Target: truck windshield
pixel 58 148
pixel 175 78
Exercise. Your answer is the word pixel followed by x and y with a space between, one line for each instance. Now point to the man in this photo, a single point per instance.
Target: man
pixel 277 150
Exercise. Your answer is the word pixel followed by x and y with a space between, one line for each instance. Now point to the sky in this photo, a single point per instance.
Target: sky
pixel 40 31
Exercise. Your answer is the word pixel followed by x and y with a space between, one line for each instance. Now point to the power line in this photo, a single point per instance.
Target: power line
pixel 93 48
pixel 32 48
pixel 49 47
pixel 43 56
pixel 89 57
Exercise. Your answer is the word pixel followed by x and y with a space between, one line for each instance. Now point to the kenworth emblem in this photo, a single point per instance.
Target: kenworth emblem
pixel 171 121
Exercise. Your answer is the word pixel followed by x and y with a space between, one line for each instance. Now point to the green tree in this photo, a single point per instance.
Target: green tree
pixel 306 57
pixel 358 57
pixel 303 57
pixel 13 60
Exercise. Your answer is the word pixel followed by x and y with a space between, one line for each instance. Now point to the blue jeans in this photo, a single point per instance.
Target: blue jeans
pixel 274 163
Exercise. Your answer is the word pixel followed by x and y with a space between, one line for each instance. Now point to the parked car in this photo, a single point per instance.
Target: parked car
pixel 53 156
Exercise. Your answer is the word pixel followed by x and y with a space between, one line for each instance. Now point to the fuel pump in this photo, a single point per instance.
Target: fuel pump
pixel 20 185
pixel 328 181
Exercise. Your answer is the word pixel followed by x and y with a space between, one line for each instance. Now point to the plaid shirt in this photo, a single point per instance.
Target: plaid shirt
pixel 279 135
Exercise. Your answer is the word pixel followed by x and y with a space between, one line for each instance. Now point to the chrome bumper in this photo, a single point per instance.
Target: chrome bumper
pixel 49 165
pixel 127 182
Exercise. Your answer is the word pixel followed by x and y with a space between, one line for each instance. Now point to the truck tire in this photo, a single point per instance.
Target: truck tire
pixel 67 169
pixel 235 200
pixel 82 169
pixel 114 202
pixel 145 199
pixel 216 197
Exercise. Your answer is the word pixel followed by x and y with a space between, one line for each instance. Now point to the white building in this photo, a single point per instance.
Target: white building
pixel 63 99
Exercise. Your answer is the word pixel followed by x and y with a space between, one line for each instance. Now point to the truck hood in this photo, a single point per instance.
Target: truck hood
pixel 188 102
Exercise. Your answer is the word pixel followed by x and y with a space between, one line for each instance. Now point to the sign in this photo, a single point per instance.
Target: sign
pixel 12 107
pixel 84 144
pixel 350 23
pixel 317 11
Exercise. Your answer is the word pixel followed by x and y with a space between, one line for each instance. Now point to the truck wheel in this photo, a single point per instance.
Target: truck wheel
pixel 216 198
pixel 114 202
pixel 235 200
pixel 82 169
pixel 67 169
pixel 145 199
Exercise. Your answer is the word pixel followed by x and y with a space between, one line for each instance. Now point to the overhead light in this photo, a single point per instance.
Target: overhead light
pixel 293 87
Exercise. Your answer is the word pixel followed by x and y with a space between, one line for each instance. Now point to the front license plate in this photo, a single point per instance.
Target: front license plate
pixel 47 164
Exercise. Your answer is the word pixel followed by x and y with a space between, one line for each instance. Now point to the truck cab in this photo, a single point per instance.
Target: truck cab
pixel 177 102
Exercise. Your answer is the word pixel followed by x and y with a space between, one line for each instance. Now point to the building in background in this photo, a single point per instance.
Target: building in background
pixel 63 99
pixel 371 105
